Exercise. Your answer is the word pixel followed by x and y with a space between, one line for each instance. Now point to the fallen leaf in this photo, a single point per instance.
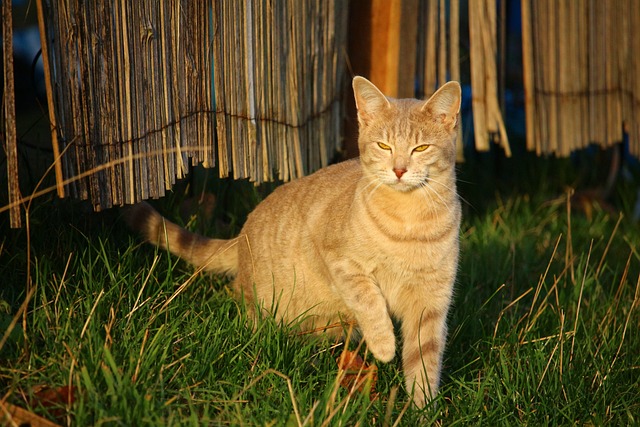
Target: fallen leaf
pixel 55 400
pixel 15 415
pixel 356 373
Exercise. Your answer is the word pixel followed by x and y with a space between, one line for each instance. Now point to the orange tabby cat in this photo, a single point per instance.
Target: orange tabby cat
pixel 363 240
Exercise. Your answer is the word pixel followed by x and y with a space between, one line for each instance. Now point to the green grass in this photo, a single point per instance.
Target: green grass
pixel 543 331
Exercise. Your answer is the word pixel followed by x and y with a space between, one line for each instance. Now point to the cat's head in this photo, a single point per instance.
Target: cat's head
pixel 404 143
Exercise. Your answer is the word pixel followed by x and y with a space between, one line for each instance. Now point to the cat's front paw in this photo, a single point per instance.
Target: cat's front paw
pixel 383 347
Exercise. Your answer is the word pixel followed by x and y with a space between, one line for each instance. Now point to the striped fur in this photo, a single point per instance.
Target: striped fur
pixel 214 255
pixel 363 240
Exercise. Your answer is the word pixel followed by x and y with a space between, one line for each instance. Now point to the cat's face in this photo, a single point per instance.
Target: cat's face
pixel 407 144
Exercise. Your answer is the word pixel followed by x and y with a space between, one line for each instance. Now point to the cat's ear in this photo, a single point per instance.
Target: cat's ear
pixel 369 100
pixel 445 104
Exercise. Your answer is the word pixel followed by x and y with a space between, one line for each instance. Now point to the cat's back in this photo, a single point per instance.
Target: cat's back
pixel 328 184
pixel 306 199
pixel 332 179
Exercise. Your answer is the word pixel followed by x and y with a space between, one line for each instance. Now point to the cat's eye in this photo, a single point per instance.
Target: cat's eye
pixel 421 148
pixel 384 146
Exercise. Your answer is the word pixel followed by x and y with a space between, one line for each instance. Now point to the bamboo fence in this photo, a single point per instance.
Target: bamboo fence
pixel 139 91
pixel 439 61
pixel 581 63
pixel 278 81
pixel 142 90
pixel 439 49
pixel 488 123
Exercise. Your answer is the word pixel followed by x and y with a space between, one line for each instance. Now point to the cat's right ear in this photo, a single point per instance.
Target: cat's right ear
pixel 369 100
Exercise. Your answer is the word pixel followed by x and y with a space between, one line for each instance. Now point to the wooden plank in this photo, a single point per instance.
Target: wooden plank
pixel 9 101
pixel 442 44
pixel 430 69
pixel 454 61
pixel 476 59
pixel 582 84
pixel 44 42
pixel 393 38
pixel 405 62
pixel 563 119
pixel 528 75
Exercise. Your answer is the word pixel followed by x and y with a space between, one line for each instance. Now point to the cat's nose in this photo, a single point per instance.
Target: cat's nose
pixel 399 172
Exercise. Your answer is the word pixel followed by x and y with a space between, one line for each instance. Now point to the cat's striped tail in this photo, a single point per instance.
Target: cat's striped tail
pixel 214 255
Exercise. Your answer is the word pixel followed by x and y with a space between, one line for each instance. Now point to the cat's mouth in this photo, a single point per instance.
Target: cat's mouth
pixel 404 185
pixel 409 180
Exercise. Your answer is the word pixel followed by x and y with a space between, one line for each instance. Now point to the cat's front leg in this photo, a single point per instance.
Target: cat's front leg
pixel 366 302
pixel 424 333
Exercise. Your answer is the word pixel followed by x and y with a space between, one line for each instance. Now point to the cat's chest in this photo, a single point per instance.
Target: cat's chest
pixel 396 261
pixel 408 257
pixel 401 233
pixel 405 248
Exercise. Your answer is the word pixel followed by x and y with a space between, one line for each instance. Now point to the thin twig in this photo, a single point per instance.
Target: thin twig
pixel 575 324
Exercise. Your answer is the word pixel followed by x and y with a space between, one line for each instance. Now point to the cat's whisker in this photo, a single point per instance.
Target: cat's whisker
pixel 378 181
pixel 369 184
pixel 430 201
pixel 374 182
pixel 430 190
pixel 437 193
pixel 435 181
pixel 378 185
pixel 450 189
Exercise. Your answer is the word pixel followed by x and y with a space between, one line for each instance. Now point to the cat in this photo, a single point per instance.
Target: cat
pixel 364 240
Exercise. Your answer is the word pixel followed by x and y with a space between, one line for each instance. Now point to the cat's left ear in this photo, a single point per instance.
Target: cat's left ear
pixel 445 104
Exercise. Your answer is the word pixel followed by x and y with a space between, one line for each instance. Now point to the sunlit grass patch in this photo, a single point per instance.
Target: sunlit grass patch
pixel 543 330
